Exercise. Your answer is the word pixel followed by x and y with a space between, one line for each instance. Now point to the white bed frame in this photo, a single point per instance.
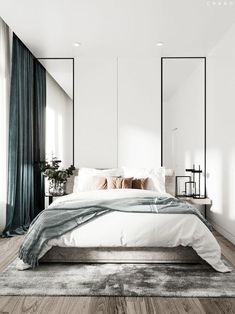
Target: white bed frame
pixel 124 254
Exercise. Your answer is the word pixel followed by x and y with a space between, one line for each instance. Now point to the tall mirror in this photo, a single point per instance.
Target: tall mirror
pixel 59 109
pixel 183 121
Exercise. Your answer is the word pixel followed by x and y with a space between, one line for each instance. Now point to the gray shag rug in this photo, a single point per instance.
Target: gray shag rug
pixel 165 280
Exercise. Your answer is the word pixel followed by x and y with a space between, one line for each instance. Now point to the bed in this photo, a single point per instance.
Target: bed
pixel 132 237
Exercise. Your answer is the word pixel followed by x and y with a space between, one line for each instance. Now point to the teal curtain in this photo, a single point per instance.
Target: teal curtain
pixel 39 136
pixel 26 139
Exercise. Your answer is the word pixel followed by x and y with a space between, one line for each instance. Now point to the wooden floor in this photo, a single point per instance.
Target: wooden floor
pixel 111 305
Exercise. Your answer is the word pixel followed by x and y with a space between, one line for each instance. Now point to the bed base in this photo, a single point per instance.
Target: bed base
pixel 122 255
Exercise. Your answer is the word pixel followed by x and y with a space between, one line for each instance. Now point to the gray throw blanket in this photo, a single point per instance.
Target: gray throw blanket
pixel 54 222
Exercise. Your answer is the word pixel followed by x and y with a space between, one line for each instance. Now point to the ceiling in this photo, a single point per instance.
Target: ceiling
pixel 117 27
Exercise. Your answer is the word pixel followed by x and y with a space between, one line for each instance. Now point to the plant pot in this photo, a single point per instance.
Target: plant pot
pixel 56 188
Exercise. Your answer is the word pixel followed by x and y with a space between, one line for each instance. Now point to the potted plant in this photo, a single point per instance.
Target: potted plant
pixel 57 177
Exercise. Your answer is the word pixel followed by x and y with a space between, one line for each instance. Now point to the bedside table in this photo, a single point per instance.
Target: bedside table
pixel 198 201
pixel 50 197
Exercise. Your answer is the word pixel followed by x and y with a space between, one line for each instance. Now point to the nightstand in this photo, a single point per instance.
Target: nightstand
pixel 198 202
pixel 51 197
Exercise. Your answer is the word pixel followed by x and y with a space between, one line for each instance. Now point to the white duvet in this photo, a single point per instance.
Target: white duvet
pixel 122 229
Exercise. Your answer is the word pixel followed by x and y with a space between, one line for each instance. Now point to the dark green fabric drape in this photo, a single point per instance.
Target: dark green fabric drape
pixel 26 139
pixel 39 136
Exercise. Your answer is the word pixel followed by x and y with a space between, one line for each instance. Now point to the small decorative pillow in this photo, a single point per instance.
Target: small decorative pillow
pixel 119 183
pixel 89 183
pixel 140 183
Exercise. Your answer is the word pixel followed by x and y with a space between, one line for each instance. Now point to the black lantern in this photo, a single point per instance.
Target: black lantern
pixel 196 180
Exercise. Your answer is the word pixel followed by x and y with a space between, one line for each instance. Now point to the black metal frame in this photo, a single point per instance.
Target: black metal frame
pixel 205 96
pixel 176 185
pixel 73 88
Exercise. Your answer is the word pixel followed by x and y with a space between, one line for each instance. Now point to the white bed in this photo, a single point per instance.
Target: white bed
pixel 132 237
pixel 118 230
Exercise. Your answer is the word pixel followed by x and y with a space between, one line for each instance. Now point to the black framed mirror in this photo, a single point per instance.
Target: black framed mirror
pixel 60 109
pixel 183 117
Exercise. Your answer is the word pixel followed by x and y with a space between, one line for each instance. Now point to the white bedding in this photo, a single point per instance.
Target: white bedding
pixel 119 229
pixel 140 230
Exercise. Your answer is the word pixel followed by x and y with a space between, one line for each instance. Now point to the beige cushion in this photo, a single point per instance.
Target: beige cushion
pixel 119 183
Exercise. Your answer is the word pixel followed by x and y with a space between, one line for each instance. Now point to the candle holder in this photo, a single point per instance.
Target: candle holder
pixel 190 188
pixel 197 180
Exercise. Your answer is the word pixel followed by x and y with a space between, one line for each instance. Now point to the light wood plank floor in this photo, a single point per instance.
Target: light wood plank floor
pixel 111 305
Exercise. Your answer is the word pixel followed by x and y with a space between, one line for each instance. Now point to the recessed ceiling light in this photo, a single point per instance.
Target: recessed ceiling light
pixel 77 44
pixel 160 44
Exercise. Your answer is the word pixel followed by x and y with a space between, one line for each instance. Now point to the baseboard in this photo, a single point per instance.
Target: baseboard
pixel 223 231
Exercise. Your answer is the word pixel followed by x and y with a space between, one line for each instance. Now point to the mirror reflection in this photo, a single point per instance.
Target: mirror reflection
pixel 59 109
pixel 184 115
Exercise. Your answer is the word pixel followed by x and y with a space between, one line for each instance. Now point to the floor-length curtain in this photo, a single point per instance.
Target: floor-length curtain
pixel 39 135
pixel 4 116
pixel 22 184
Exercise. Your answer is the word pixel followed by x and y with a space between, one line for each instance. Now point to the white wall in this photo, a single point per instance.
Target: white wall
pixel 221 134
pixel 59 127
pixel 139 112
pixel 96 112
pixel 117 112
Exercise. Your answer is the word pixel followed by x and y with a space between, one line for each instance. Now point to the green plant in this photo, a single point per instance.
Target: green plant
pixel 50 169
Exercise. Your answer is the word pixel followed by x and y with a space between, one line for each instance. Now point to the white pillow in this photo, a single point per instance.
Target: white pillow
pixel 156 177
pixel 86 182
pixel 101 173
